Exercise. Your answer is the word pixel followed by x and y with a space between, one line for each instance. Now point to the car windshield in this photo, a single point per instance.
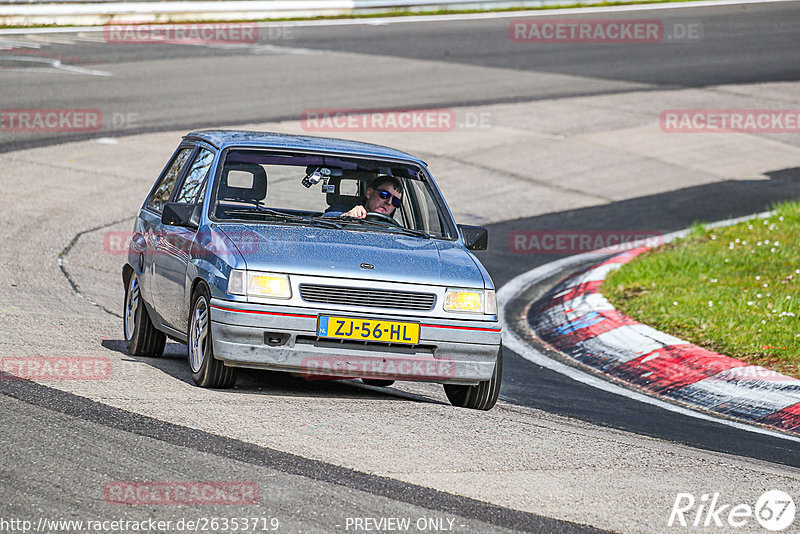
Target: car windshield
pixel 308 189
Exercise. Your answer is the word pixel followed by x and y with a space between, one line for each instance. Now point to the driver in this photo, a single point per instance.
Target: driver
pixel 383 196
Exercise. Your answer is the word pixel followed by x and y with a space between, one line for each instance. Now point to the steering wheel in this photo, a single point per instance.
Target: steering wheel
pixel 380 217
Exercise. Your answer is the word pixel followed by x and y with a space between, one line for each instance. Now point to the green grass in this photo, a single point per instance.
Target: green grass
pixel 415 13
pixel 732 290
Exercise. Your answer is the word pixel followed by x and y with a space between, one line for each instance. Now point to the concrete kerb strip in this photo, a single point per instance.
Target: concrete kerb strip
pixel 100 13
pixel 576 320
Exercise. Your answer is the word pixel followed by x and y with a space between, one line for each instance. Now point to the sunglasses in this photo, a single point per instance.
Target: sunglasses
pixel 386 195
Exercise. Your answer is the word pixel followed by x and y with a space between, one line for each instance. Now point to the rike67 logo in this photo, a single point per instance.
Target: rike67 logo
pixel 774 510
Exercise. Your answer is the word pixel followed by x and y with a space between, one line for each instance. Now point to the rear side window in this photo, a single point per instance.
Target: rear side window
pixel 191 191
pixel 167 183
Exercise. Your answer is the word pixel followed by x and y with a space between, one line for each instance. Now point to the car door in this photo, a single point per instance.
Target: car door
pixel 170 282
pixel 148 239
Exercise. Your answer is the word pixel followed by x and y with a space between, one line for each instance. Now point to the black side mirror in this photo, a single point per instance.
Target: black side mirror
pixel 475 237
pixel 179 214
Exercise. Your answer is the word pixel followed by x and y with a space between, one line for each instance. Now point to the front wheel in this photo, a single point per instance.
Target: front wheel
pixel 207 371
pixel 482 396
pixel 141 337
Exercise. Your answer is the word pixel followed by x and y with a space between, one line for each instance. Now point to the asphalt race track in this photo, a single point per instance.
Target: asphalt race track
pixel 550 136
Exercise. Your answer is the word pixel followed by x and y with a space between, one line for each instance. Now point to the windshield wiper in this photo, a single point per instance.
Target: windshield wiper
pixel 411 231
pixel 388 226
pixel 286 216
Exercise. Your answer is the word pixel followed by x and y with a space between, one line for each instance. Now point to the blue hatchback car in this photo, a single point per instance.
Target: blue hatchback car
pixel 320 257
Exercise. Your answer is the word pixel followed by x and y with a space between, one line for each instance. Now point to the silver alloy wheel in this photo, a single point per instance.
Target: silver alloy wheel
pixel 198 335
pixel 131 304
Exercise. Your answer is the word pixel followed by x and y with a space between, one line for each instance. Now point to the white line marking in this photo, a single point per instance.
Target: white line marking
pixel 630 341
pixel 723 391
pixel 585 303
pixel 11 45
pixel 651 357
pixel 54 63
pixel 593 275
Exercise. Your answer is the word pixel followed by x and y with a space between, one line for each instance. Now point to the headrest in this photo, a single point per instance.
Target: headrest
pixel 349 188
pixel 243 181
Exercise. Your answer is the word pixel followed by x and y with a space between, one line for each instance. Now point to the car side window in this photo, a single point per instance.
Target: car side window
pixel 428 214
pixel 191 191
pixel 165 187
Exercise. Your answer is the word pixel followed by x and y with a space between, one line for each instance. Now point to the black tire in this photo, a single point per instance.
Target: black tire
pixel 207 371
pixel 377 382
pixel 482 396
pixel 141 337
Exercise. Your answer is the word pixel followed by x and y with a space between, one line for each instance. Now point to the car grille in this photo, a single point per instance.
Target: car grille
pixel 371 298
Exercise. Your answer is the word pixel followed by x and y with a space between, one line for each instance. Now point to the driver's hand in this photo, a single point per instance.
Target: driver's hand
pixel 359 212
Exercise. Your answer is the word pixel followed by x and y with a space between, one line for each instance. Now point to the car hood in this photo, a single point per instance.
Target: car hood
pixel 340 253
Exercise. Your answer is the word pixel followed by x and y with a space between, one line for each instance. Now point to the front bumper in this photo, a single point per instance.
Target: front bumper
pixel 285 339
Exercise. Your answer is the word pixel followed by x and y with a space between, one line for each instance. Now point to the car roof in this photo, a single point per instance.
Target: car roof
pixel 246 138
